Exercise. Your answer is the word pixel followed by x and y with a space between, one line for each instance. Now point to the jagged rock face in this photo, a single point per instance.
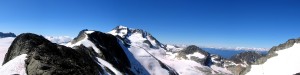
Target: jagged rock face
pixel 44 57
pixel 2 35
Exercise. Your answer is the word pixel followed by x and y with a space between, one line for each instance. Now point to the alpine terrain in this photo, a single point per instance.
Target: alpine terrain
pixel 129 51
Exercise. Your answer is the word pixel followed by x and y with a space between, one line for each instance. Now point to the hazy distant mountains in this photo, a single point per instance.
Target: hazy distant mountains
pixel 3 35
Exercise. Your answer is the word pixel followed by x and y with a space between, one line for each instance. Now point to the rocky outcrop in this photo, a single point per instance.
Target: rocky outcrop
pixel 243 61
pixel 3 35
pixel 206 60
pixel 49 58
pixel 192 49
pixel 217 60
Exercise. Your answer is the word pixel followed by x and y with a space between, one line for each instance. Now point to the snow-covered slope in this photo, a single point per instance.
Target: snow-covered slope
pixel 285 63
pixel 15 66
pixel 150 52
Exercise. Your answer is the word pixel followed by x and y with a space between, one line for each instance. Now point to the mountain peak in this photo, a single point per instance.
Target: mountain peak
pixel 135 35
pixel 123 30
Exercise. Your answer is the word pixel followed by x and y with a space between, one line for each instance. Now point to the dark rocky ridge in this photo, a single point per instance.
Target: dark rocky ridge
pixel 3 35
pixel 44 57
pixel 111 51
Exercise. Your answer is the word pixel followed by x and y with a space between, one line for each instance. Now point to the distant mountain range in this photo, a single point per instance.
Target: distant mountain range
pixel 238 48
pixel 3 35
pixel 129 51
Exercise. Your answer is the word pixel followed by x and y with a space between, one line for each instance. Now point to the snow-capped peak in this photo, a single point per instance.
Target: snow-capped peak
pixel 131 35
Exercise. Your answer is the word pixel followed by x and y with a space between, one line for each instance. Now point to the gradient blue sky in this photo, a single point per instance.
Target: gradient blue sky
pixel 225 23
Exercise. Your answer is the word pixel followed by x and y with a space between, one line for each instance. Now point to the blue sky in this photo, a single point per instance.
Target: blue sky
pixel 225 23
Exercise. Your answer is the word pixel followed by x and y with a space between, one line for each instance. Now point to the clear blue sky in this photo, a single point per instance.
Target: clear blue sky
pixel 227 23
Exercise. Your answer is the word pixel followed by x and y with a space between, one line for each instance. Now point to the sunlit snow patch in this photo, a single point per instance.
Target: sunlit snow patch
pixel 14 66
pixel 286 63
